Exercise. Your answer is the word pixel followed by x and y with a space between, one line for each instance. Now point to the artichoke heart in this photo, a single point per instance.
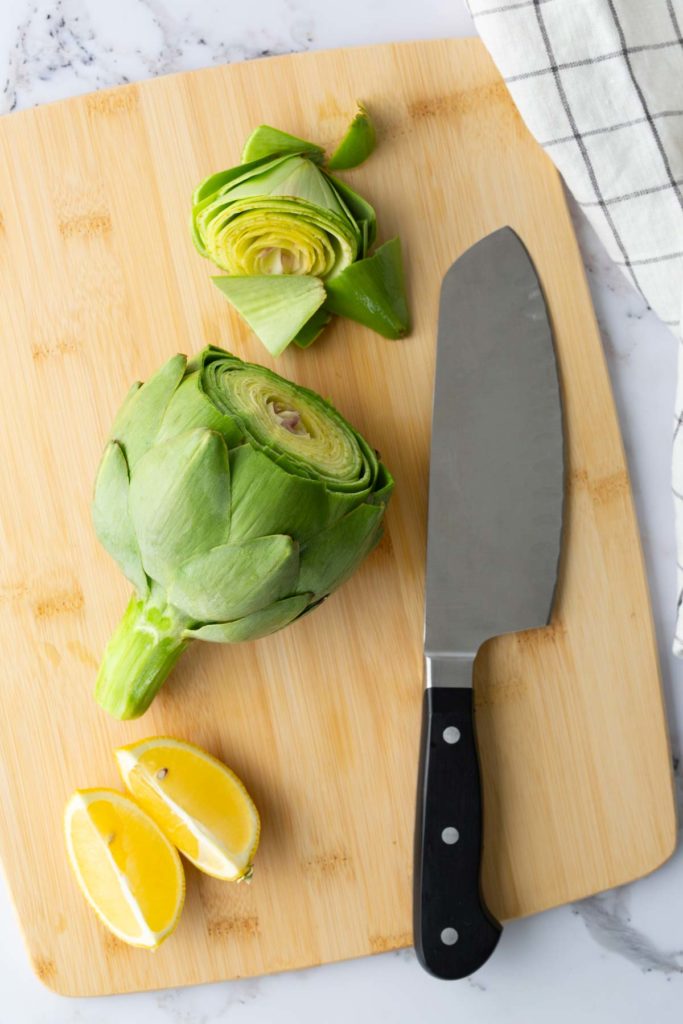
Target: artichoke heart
pixel 280 216
pixel 233 500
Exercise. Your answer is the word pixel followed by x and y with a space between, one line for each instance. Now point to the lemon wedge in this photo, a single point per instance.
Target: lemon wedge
pixel 198 802
pixel 127 869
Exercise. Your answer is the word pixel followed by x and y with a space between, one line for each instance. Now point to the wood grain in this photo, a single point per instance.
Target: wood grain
pixel 100 284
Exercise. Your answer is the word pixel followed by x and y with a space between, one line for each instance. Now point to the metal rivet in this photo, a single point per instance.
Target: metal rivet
pixel 449 936
pixel 450 835
pixel 451 734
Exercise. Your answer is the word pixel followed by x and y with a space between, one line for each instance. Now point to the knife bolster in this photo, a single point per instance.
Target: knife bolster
pixel 449 670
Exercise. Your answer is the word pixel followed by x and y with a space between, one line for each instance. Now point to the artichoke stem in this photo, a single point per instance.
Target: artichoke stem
pixel 140 655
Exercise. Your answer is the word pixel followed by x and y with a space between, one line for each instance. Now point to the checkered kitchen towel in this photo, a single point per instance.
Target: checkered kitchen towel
pixel 600 85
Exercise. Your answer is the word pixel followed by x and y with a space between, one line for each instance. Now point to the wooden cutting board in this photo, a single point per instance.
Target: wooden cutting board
pixel 100 283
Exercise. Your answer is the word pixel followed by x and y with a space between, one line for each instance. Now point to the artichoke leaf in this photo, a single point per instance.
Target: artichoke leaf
pixel 357 144
pixel 180 501
pixel 139 419
pixel 333 555
pixel 122 413
pixel 372 292
pixel 276 307
pixel 215 183
pixel 265 141
pixel 253 626
pixel 190 408
pixel 209 354
pixel 384 486
pixel 111 518
pixel 296 178
pixel 234 580
pixel 312 328
pixel 266 499
pixel 359 209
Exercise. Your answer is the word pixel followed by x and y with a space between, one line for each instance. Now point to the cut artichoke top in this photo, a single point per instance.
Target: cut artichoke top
pixel 295 242
pixel 285 218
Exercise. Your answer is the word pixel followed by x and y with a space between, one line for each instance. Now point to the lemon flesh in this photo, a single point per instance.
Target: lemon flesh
pixel 198 802
pixel 125 866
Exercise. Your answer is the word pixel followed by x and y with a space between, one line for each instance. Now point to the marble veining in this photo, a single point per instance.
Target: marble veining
pixel 608 920
pixel 69 41
pixel 615 957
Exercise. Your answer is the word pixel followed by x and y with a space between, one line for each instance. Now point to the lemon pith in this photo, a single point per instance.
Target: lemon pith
pixel 125 866
pixel 197 801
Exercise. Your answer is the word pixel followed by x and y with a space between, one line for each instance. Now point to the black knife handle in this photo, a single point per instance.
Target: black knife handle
pixel 454 932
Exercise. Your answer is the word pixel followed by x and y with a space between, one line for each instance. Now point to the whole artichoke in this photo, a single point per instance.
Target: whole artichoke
pixel 234 501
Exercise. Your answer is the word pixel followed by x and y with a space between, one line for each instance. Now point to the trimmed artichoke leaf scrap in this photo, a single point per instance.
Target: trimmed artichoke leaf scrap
pixel 265 141
pixel 357 144
pixel 312 328
pixel 280 215
pixel 276 308
pixel 372 292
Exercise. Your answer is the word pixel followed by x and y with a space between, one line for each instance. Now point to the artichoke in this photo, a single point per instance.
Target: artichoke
pixel 234 501
pixel 295 242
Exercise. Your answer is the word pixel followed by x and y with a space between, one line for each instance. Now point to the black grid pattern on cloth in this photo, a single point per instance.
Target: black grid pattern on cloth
pixel 627 51
pixel 543 47
pixel 600 199
pixel 672 183
pixel 611 127
pixel 622 52
pixel 504 8
pixel 585 61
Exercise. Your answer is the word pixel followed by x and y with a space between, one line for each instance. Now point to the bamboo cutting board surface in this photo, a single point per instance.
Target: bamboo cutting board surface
pixel 100 284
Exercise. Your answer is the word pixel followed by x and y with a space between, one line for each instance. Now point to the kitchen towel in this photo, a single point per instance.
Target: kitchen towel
pixel 599 83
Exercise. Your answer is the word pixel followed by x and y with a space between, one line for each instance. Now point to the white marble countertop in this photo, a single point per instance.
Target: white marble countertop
pixel 616 957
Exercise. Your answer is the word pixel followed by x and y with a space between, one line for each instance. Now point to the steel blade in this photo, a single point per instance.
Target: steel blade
pixel 497 469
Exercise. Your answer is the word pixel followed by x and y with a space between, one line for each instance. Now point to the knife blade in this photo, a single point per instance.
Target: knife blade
pixel 496 492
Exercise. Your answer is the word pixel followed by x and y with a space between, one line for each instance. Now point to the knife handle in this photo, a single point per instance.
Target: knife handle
pixel 454 932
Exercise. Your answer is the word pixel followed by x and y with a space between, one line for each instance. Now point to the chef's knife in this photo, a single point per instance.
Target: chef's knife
pixel 494 533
